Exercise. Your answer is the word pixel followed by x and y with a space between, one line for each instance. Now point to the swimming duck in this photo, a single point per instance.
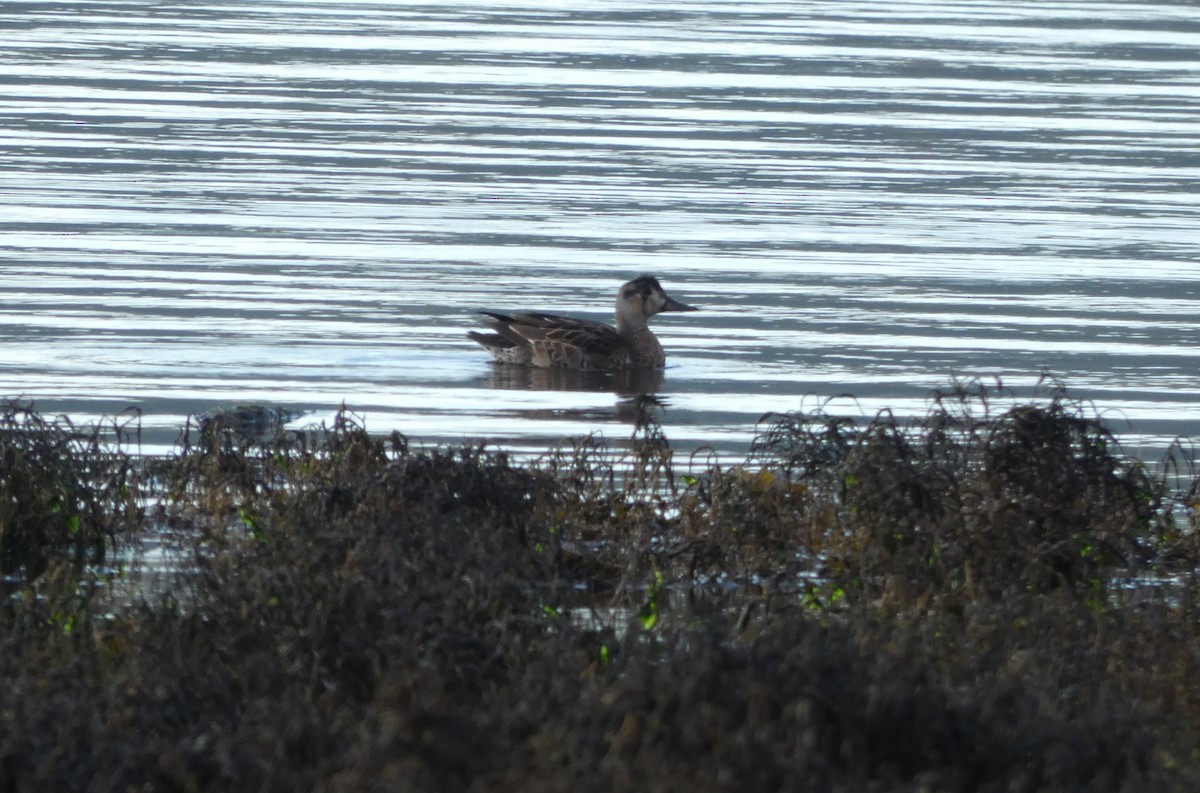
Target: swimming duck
pixel 533 339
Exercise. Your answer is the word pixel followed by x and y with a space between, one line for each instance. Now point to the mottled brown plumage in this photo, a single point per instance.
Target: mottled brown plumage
pixel 535 339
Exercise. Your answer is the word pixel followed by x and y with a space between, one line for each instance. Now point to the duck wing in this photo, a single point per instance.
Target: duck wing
pixel 560 340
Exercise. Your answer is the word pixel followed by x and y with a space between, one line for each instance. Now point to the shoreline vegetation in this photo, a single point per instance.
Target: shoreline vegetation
pixel 991 597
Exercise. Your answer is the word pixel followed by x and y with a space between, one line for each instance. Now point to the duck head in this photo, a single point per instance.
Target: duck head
pixel 642 298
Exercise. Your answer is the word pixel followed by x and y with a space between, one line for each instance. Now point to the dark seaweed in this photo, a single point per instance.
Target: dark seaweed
pixel 984 599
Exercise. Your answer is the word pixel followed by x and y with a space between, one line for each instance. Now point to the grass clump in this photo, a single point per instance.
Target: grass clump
pixel 878 605
pixel 966 501
pixel 66 494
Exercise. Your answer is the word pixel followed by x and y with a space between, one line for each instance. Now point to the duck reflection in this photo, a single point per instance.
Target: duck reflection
pixel 622 382
pixel 636 391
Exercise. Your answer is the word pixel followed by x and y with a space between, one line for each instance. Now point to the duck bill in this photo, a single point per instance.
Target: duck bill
pixel 674 305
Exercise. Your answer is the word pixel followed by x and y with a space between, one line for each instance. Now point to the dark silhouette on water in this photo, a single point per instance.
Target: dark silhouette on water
pixel 550 340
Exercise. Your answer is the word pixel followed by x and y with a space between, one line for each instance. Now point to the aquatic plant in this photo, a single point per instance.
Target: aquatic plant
pixel 961 602
pixel 991 500
pixel 67 494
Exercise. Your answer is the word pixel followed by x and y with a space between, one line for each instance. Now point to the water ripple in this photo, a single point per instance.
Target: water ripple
pixel 304 204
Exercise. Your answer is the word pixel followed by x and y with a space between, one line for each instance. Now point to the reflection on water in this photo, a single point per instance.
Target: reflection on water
pixel 625 383
pixel 634 400
pixel 303 205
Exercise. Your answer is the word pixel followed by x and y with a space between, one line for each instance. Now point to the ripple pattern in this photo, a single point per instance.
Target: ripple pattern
pixel 303 203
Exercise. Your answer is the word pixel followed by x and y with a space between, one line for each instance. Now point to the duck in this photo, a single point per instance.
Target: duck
pixel 550 340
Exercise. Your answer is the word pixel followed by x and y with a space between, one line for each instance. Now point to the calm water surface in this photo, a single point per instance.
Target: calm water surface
pixel 302 203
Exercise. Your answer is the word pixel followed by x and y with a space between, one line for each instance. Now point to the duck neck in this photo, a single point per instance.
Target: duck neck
pixel 630 324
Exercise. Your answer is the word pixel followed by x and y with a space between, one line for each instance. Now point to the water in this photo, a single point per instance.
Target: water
pixel 203 204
